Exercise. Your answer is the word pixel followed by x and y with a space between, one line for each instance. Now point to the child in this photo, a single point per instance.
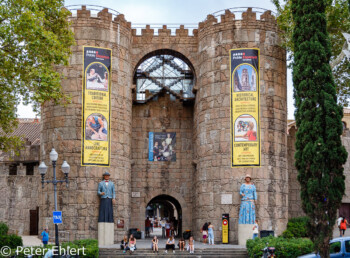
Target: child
pixel 155 244
pixel 191 245
pixel 124 244
pixel 255 229
pixel 170 244
pixel 182 244
pixel 132 244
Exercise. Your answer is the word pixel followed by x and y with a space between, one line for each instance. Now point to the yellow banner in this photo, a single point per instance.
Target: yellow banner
pixel 96 107
pixel 245 107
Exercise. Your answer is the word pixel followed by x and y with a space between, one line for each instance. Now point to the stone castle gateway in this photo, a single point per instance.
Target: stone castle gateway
pixel 200 185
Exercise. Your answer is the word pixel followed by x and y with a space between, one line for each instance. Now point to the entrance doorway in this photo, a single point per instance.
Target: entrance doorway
pixel 34 222
pixel 164 211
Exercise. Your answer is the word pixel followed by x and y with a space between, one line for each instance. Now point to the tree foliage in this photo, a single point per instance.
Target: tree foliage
pixel 338 21
pixel 34 39
pixel 320 154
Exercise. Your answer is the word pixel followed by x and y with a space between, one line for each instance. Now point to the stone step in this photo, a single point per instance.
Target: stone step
pixel 217 252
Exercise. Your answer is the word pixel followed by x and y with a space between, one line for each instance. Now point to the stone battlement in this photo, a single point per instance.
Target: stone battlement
pixel 246 18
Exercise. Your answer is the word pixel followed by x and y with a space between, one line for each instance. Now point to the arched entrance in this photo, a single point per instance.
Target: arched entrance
pixel 164 208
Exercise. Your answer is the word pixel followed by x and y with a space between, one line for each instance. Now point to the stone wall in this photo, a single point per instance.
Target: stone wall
pixel 214 176
pixel 153 178
pixel 61 129
pixel 19 193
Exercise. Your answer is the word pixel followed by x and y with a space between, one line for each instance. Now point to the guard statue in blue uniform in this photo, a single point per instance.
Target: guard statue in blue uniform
pixel 106 191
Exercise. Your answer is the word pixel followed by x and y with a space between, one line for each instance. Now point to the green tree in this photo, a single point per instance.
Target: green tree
pixel 320 154
pixel 338 21
pixel 34 39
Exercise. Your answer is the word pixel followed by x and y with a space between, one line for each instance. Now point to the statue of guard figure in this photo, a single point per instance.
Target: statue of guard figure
pixel 106 191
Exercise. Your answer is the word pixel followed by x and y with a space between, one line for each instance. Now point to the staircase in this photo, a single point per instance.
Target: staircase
pixel 210 252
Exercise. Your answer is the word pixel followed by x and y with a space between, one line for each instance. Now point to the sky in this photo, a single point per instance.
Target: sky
pixel 173 11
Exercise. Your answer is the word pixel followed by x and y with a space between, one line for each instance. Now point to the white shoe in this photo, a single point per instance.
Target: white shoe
pixel 173 251
pixel 166 251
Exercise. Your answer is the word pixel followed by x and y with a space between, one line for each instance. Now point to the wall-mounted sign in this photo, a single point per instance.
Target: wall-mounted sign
pixel 135 194
pixel 95 147
pixel 245 107
pixel 161 146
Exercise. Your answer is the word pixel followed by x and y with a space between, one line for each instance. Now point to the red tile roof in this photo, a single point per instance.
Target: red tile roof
pixel 28 129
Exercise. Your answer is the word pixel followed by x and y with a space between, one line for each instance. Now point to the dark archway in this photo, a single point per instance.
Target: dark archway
pixel 166 206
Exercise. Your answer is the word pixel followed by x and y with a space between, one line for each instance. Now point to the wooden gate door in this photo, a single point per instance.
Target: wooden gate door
pixel 34 222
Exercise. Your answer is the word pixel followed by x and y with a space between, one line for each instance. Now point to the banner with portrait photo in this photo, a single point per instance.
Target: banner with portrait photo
pixel 245 107
pixel 95 147
pixel 161 146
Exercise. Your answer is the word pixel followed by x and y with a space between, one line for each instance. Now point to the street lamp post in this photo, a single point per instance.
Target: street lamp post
pixel 65 168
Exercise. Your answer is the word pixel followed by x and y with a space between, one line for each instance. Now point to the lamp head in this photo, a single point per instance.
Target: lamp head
pixel 65 167
pixel 42 168
pixel 53 155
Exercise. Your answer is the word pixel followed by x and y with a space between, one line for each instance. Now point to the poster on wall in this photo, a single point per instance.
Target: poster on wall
pixel 96 107
pixel 161 146
pixel 245 107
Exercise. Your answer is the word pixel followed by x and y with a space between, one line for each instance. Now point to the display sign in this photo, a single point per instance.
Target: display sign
pixel 57 217
pixel 161 146
pixel 225 228
pixel 96 107
pixel 245 107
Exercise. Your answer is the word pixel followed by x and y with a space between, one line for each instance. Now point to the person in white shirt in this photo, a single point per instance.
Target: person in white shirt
pixel 338 224
pixel 170 244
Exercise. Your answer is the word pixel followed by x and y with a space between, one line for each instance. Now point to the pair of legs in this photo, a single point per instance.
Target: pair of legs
pixel 163 232
pixel 204 239
pixel 182 245
pixel 191 248
pixel 155 248
pixel 167 247
pixel 342 232
pixel 211 238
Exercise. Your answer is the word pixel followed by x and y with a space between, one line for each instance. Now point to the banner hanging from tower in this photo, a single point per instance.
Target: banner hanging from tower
pixel 96 107
pixel 245 107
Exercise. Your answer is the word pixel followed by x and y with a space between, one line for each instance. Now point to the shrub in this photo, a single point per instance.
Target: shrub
pixel 284 247
pixel 91 247
pixel 11 241
pixel 3 229
pixel 296 227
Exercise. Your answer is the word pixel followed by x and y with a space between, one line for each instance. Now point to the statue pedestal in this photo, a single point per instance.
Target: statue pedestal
pixel 245 232
pixel 105 233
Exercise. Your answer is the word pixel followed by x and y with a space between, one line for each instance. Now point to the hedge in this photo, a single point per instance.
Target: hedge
pixel 3 229
pixel 292 248
pixel 296 227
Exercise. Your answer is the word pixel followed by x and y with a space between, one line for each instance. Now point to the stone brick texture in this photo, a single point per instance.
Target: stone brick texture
pixel 203 170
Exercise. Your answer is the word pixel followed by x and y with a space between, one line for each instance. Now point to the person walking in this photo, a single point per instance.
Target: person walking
pixel 255 229
pixel 162 223
pixel 45 236
pixel 155 244
pixel 211 233
pixel 343 224
pixel 148 226
pixel 338 223
pixel 170 244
